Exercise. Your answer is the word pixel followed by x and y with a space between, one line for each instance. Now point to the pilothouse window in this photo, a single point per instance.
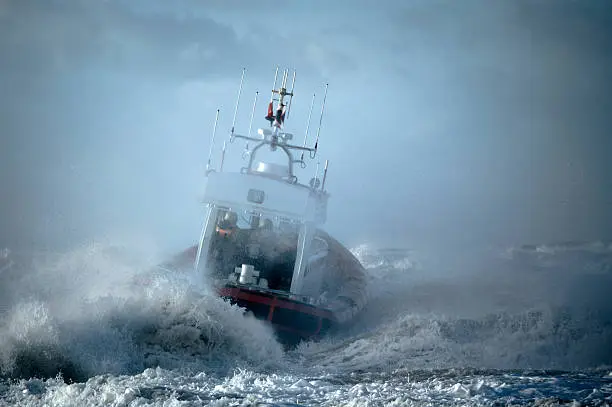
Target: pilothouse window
pixel 268 242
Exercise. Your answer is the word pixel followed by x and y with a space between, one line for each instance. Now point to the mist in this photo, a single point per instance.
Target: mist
pixel 466 124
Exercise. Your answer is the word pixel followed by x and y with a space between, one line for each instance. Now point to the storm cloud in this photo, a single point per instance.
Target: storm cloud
pixel 471 122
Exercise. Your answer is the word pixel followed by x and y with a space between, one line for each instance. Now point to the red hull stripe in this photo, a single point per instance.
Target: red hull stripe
pixel 274 302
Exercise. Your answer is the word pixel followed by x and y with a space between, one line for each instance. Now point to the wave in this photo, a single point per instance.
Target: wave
pixel 104 309
pixel 502 315
pixel 88 312
pixel 582 257
pixel 596 246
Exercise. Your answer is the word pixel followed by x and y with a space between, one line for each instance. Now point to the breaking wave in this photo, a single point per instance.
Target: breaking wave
pixel 103 309
pixel 502 315
pixel 95 311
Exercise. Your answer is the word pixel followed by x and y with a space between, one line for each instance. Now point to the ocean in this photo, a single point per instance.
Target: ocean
pixel 527 325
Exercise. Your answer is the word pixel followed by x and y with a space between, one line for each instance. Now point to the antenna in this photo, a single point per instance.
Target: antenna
pixel 212 142
pixel 251 121
pixel 274 85
pixel 270 106
pixel 223 155
pixel 324 175
pixel 291 94
pixel 308 125
pixel 285 75
pixel 238 100
pixel 320 119
pixel 317 173
pixel 253 113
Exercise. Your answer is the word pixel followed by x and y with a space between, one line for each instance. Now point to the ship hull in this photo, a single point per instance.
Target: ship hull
pixel 292 320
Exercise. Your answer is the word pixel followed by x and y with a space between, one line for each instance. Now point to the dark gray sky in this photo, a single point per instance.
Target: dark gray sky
pixel 472 121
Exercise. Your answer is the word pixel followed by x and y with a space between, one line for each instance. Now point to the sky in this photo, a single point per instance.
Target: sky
pixel 472 122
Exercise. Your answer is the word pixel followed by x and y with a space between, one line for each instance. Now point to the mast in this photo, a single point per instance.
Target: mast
pixel 277 115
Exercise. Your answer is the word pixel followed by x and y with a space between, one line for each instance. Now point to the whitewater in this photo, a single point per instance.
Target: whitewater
pixel 100 325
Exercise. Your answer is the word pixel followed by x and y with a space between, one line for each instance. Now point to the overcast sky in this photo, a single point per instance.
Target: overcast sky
pixel 455 121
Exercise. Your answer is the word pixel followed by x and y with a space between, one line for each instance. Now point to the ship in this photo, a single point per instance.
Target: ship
pixel 262 244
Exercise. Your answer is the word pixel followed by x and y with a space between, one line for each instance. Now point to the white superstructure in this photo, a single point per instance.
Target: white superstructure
pixel 273 216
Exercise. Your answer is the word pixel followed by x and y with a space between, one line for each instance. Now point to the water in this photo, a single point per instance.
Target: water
pixel 526 326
